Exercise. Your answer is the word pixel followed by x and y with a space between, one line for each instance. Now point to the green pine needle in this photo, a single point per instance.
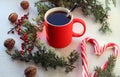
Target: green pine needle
pixel 46 57
pixel 88 7
pixel 109 71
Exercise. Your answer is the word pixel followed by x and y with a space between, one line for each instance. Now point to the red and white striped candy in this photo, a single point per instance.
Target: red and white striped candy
pixel 98 51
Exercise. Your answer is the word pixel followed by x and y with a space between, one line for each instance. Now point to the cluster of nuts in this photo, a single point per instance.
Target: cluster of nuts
pixel 30 71
pixel 9 43
pixel 13 16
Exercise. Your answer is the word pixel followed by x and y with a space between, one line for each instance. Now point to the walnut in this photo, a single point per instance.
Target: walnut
pixel 30 71
pixel 13 17
pixel 9 43
pixel 24 4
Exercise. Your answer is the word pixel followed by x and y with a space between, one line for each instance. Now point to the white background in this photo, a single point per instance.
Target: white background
pixel 10 68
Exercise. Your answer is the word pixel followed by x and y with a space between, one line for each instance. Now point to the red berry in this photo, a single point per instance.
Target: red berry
pixel 25 15
pixel 18 28
pixel 20 23
pixel 21 38
pixel 16 23
pixel 12 32
pixel 26 40
pixel 22 18
pixel 22 52
pixel 25 34
pixel 19 32
pixel 19 20
pixel 22 46
pixel 30 49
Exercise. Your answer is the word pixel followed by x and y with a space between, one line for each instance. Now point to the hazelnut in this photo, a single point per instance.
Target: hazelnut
pixel 9 43
pixel 30 71
pixel 24 4
pixel 13 17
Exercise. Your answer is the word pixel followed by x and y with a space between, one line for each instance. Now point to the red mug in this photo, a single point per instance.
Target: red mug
pixel 59 36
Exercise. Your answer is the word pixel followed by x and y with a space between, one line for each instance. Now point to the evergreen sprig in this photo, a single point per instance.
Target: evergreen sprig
pixel 109 71
pixel 88 7
pixel 42 55
pixel 28 29
pixel 46 57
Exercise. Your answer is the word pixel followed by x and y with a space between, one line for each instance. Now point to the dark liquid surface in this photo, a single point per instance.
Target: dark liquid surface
pixel 58 18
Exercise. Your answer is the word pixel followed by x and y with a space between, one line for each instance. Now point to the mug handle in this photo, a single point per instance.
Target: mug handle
pixel 84 27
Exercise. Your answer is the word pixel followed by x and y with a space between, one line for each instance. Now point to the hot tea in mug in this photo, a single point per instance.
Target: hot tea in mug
pixel 59 27
pixel 58 18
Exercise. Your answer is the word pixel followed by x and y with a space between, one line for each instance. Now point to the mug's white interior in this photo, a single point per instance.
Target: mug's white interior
pixel 55 10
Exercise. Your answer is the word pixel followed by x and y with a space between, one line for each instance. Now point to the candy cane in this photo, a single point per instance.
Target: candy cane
pixel 98 51
pixel 115 48
pixel 110 45
pixel 84 55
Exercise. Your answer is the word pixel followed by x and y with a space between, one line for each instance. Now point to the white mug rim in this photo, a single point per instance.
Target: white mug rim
pixel 57 9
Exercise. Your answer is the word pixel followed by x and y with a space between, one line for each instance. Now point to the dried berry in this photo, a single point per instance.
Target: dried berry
pixel 9 43
pixel 30 71
pixel 24 4
pixel 13 17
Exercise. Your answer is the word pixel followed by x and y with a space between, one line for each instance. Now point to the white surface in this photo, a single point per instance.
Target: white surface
pixel 10 68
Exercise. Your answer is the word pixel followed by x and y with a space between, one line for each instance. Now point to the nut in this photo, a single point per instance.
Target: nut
pixel 24 4
pixel 30 71
pixel 13 17
pixel 9 43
